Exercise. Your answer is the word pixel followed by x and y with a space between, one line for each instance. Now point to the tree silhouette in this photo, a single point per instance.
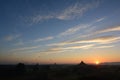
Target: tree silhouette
pixel 20 68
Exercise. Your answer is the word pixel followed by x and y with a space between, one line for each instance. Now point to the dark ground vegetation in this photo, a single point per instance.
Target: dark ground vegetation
pixel 59 72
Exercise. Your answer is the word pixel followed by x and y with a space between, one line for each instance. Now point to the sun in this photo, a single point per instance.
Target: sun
pixel 97 62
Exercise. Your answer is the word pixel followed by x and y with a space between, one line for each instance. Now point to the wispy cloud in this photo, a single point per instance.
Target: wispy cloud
pixel 11 37
pixel 63 49
pixel 98 40
pixel 73 30
pixel 109 29
pixel 93 31
pixel 53 50
pixel 104 46
pixel 100 19
pixel 86 28
pixel 57 44
pixel 43 39
pixel 38 18
pixel 25 48
pixel 76 10
pixel 73 11
pixel 80 47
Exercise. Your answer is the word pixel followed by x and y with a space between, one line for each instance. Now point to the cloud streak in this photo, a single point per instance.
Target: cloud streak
pixel 100 19
pixel 76 10
pixel 71 12
pixel 43 39
pixel 109 29
pixel 80 47
pixel 97 40
pixel 26 48
pixel 39 18
pixel 63 49
pixel 72 47
pixel 101 31
pixel 105 46
pixel 73 30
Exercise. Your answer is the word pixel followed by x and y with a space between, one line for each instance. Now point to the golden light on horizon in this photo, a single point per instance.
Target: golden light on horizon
pixel 97 62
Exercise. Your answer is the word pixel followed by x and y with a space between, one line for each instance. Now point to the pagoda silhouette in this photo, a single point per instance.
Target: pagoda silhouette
pixel 82 64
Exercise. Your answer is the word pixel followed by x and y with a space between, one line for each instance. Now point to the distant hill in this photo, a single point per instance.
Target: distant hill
pixel 110 63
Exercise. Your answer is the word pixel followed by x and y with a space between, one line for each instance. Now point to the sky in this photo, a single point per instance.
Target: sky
pixel 59 31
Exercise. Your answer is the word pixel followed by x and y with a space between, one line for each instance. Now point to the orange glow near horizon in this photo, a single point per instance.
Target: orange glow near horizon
pixel 97 62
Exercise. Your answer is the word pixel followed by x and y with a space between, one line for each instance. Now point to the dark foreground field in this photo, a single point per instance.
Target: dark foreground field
pixel 59 72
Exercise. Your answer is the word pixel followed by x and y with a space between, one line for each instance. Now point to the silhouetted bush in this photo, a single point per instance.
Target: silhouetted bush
pixel 20 68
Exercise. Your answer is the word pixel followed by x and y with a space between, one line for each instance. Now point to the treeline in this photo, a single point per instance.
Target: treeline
pixel 80 71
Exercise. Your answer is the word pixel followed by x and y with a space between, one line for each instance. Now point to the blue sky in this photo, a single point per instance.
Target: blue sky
pixel 61 31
